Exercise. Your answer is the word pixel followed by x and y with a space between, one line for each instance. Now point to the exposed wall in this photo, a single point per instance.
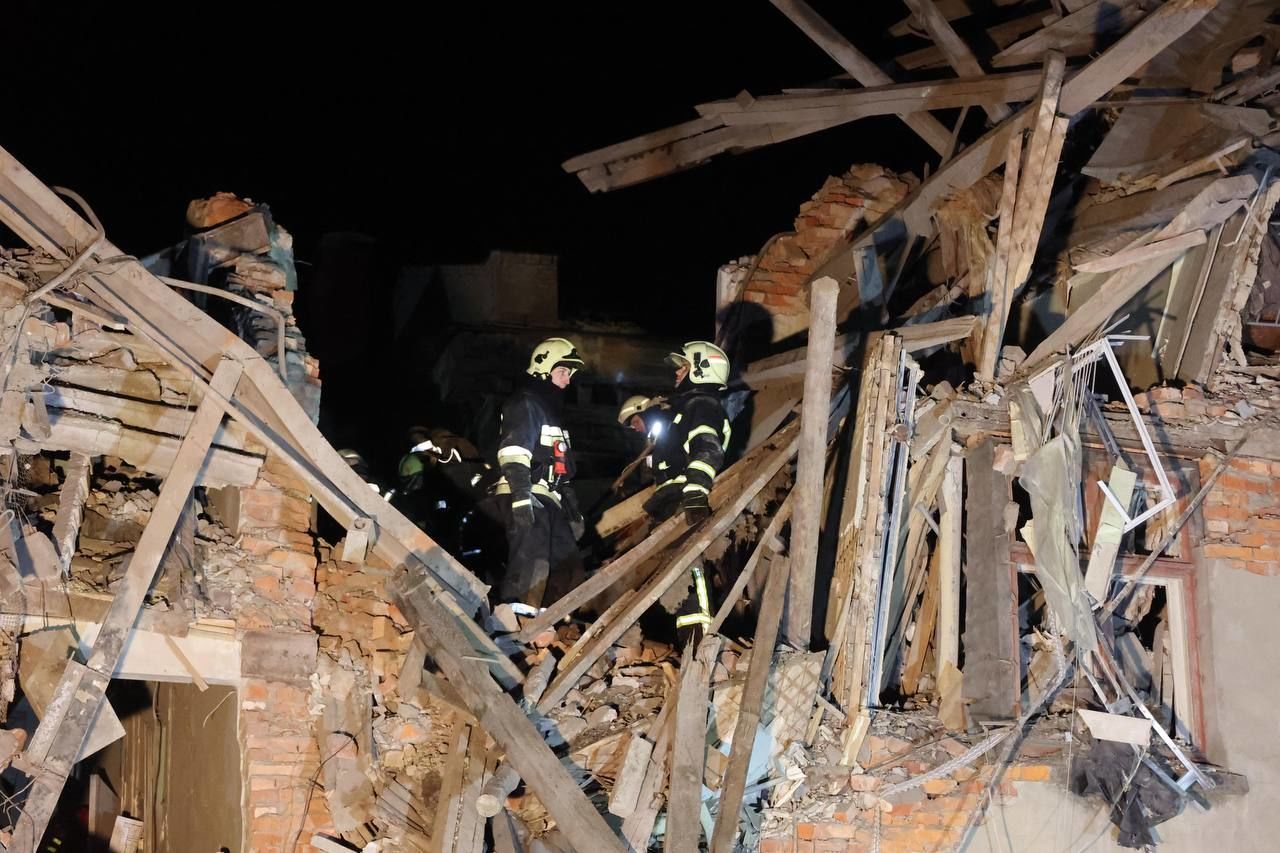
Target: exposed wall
pixel 843 206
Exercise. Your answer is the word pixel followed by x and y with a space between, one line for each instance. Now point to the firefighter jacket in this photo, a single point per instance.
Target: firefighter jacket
pixel 533 446
pixel 690 451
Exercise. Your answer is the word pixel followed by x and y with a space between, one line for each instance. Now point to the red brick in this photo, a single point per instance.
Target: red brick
pixel 1267 554
pixel 1030 772
pixel 938 787
pixel 1227 552
pixel 268 585
pixel 1253 466
pixel 804 847
pixel 1242 483
pixel 835 830
pixel 830 847
pixel 1227 513
pixel 806 831
pixel 776 844
pixel 1265 569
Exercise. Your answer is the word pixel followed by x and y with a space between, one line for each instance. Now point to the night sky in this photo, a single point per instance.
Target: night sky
pixel 437 129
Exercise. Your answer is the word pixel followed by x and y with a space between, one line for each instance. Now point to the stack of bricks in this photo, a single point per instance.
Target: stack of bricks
pixel 924 819
pixel 842 207
pixel 281 760
pixel 1242 515
pixel 274 525
pixel 353 613
pixel 265 279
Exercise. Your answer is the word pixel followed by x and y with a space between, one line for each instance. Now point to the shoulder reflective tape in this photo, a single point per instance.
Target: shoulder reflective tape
pixel 662 466
pixel 525 502
pixel 552 434
pixel 515 453
pixel 728 431
pixel 699 465
pixel 677 418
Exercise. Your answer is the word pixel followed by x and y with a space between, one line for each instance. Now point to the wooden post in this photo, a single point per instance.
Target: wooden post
pixel 816 411
pixel 689 751
pixel 950 532
pixel 958 54
pixel 992 666
pixel 59 736
pixel 744 731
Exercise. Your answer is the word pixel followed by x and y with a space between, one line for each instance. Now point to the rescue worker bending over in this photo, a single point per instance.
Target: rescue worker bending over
pixel 540 509
pixel 649 417
pixel 688 455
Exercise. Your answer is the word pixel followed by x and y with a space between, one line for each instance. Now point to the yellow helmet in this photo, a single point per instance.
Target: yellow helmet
pixel 708 364
pixel 634 406
pixel 552 353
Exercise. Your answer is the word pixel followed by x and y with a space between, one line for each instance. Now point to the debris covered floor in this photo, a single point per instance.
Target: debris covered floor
pixel 994 569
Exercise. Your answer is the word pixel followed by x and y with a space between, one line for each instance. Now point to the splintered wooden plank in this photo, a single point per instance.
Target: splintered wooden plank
pixel 499 716
pixel 449 801
pixel 734 782
pixel 689 750
pixel 859 66
pixel 957 52
pixel 992 657
pixel 926 619
pixel 989 91
pixel 71 498
pixel 1078 34
pixel 85 688
pixel 1173 247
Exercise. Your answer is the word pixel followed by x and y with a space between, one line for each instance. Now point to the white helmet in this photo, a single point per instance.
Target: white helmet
pixel 708 364
pixel 633 406
pixel 553 353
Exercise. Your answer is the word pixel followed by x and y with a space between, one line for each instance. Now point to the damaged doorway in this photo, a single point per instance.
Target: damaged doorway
pixel 176 772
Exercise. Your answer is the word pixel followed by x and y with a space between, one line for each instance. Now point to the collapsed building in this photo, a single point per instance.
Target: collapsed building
pixel 993 564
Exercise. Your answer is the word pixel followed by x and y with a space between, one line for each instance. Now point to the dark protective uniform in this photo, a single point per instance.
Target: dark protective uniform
pixel 687 457
pixel 537 466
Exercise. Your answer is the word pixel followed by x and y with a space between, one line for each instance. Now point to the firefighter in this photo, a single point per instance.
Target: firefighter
pixel 647 416
pixel 540 509
pixel 689 453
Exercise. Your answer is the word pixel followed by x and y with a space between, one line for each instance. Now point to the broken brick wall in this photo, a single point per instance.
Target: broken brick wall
pixel 842 207
pixel 1242 516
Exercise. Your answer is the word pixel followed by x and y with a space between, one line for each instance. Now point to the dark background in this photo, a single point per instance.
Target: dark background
pixel 437 129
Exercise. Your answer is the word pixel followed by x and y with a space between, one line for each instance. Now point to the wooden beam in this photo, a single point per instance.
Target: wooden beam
pixel 1000 35
pixel 926 619
pixel 816 413
pixel 58 738
pixel 147 451
pixel 153 417
pixel 858 65
pixel 734 782
pixel 689 749
pixel 1173 246
pixel 1078 34
pixel 958 54
pixel 897 98
pixel 992 658
pixel 499 716
pixel 653 589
